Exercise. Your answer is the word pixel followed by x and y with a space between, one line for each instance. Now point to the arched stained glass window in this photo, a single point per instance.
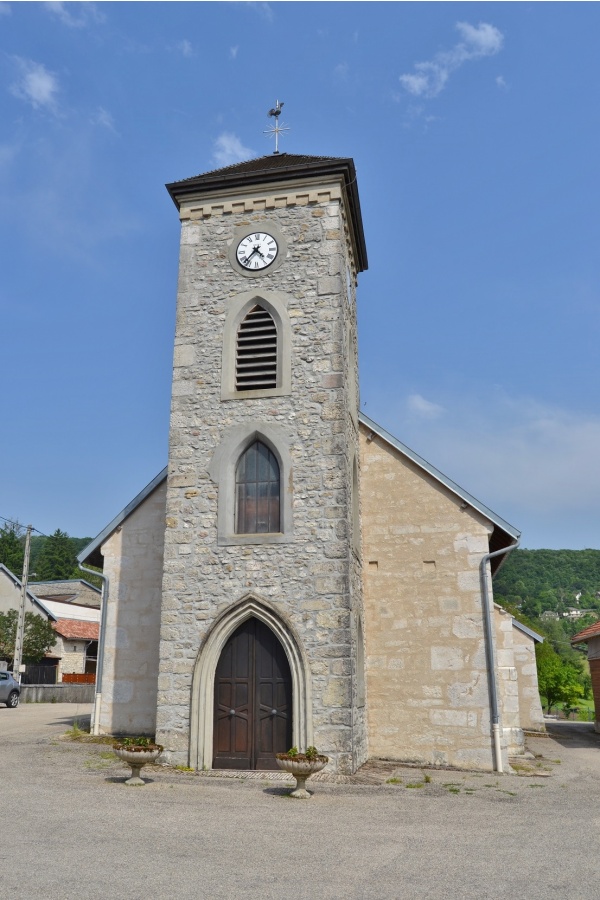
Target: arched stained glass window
pixel 257 489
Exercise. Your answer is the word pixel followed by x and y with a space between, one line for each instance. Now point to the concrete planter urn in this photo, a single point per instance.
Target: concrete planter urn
pixel 301 766
pixel 137 756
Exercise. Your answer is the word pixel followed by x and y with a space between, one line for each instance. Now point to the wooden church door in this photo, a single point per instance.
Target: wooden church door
pixel 253 700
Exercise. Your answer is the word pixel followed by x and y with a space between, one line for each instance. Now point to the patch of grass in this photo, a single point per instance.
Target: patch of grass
pixel 451 784
pixel 96 763
pixel 556 761
pixel 184 769
pixel 75 732
pixel 453 790
pixel 394 781
pixel 427 779
pixel 415 784
pixel 537 785
pixel 107 754
pixel 510 793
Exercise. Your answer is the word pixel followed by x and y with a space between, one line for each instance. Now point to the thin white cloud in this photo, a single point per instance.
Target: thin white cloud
pixel 229 150
pixel 515 453
pixel 422 407
pixel 76 15
pixel 501 82
pixel 264 9
pixel 233 52
pixel 103 117
pixel 185 47
pixel 8 152
pixel 36 84
pixel 430 78
pixel 5 9
pixel 341 71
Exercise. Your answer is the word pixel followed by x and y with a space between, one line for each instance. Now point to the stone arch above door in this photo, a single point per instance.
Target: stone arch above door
pixel 203 683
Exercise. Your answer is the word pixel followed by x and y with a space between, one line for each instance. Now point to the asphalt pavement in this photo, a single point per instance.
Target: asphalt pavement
pixel 72 829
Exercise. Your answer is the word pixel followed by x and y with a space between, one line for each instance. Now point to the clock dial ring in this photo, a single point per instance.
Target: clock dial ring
pixel 257 251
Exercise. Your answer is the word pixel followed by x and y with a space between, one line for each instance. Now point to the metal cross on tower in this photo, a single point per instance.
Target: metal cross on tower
pixel 277 128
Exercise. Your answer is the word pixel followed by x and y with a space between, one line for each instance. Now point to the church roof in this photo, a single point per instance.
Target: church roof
pixel 503 535
pixel 92 553
pixel 528 631
pixel 275 168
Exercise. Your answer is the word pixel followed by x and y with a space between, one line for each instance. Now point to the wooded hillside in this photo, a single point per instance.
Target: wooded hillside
pixel 540 580
pixel 547 590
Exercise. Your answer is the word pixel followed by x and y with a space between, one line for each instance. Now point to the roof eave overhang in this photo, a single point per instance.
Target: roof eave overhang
pixel 92 554
pixel 335 168
pixel 503 536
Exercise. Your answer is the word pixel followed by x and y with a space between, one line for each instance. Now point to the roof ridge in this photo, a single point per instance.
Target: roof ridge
pixel 273 157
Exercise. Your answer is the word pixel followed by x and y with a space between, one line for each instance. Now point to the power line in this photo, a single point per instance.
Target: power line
pixel 19 525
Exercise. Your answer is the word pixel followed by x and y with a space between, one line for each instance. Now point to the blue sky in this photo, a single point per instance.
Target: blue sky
pixel 475 128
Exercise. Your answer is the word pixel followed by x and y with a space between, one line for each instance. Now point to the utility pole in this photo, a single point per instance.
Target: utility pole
pixel 21 621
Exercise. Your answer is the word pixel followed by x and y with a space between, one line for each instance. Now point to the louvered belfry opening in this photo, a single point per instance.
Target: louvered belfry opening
pixel 256 352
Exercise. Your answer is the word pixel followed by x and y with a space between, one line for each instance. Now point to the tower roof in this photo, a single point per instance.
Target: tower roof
pixel 278 167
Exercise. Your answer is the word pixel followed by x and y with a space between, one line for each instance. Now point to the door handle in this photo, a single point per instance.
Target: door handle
pixel 232 712
pixel 273 712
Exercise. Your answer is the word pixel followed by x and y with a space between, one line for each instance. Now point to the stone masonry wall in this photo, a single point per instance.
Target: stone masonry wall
pixel 133 557
pixel 309 577
pixel 508 681
pixel 427 688
pixel 530 707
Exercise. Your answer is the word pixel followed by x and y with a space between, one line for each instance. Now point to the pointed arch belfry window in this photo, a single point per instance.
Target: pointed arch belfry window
pixel 257 491
pixel 256 351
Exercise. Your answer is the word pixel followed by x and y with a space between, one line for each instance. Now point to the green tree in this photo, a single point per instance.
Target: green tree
pixel 38 636
pixel 12 550
pixel 559 681
pixel 57 559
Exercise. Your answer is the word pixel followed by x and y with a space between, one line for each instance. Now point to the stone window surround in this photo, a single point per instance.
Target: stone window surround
pixel 276 304
pixel 203 680
pixel 222 468
pixel 270 227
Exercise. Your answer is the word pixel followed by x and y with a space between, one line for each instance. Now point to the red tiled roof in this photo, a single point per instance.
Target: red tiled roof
pixel 587 633
pixel 74 629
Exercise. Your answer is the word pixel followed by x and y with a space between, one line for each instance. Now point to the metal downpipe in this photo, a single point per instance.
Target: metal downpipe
pixel 489 651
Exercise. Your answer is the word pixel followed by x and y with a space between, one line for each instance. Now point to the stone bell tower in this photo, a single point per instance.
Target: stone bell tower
pixel 261 624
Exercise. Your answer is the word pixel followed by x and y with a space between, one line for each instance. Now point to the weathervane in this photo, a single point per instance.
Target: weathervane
pixel 276 129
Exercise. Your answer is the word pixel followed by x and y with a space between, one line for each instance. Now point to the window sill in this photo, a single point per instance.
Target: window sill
pixel 225 540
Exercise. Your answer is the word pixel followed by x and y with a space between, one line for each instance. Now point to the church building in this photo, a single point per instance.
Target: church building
pixel 296 575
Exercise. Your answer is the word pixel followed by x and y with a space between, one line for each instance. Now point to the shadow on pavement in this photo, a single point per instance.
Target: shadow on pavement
pixel 573 734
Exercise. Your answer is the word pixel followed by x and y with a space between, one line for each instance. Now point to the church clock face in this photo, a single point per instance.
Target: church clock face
pixel 257 251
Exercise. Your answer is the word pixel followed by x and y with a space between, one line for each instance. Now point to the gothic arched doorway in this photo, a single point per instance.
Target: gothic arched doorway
pixel 253 700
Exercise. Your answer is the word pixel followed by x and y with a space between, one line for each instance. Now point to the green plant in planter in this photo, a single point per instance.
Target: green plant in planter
pixel 137 752
pixel 132 743
pixel 301 766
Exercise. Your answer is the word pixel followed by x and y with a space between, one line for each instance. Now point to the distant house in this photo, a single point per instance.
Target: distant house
pixel 591 637
pixel 76 625
pixel 74 590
